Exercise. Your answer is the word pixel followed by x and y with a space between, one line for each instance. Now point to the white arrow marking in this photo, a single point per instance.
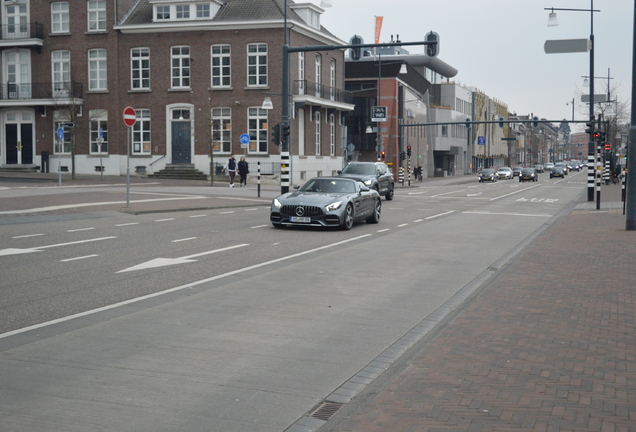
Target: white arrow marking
pixel 4 252
pixel 161 262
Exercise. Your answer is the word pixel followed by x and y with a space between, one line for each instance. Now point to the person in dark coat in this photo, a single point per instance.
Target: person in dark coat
pixel 243 170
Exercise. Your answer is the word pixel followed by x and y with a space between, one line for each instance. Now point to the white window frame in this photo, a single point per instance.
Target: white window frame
pixel 332 135
pixel 162 13
pixel 221 65
pixel 98 119
pixel 60 17
pixel 61 73
pixel 203 11
pixel 140 65
pixel 257 130
pixel 182 12
pixel 332 79
pixel 318 71
pixel 141 137
pixel 97 69
pixel 301 73
pixel 96 15
pixel 221 130
pixel 180 73
pixel 257 67
pixel 318 137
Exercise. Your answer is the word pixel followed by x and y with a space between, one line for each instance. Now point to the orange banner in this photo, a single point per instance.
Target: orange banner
pixel 378 28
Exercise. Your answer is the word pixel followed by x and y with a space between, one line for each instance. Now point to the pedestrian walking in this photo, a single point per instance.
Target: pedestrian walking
pixel 230 169
pixel 243 170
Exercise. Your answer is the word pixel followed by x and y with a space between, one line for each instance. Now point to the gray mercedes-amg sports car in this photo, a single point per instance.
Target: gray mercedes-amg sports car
pixel 327 202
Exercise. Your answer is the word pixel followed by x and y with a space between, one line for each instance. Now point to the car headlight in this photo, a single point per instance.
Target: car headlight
pixel 368 182
pixel 277 203
pixel 334 206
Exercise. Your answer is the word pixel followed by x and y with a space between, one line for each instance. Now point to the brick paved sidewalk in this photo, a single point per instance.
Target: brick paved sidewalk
pixel 548 346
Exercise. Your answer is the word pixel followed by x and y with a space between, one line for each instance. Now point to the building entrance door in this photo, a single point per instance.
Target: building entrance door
pixel 181 142
pixel 18 138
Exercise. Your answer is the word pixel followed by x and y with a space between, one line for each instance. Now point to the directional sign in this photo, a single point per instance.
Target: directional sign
pixel 566 46
pixel 245 140
pixel 378 113
pixel 100 133
pixel 60 133
pixel 67 125
pixel 130 116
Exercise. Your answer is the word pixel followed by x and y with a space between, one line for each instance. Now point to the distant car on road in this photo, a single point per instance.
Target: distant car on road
pixel 548 166
pixel 327 202
pixel 375 175
pixel 562 165
pixel 517 170
pixel 487 174
pixel 575 165
pixel 557 171
pixel 505 173
pixel 529 174
pixel 539 168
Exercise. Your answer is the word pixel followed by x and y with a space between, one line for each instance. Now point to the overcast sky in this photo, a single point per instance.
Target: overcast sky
pixel 497 45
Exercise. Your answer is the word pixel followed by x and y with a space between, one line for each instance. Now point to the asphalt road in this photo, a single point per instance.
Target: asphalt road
pixel 214 320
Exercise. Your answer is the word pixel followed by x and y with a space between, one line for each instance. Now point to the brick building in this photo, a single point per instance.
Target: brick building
pixel 196 74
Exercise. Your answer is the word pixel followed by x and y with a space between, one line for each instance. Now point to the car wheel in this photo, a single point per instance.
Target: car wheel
pixel 520 181
pixel 377 209
pixel 389 194
pixel 348 218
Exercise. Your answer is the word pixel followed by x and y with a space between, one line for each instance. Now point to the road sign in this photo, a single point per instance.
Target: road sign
pixel 481 140
pixel 130 116
pixel 566 46
pixel 100 133
pixel 60 133
pixel 378 113
pixel 67 125
pixel 245 140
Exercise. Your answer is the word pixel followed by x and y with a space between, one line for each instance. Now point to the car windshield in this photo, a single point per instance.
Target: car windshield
pixel 517 169
pixel 557 168
pixel 367 169
pixel 487 171
pixel 527 171
pixel 329 186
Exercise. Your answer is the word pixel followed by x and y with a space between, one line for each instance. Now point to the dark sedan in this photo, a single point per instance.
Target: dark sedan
pixel 487 174
pixel 557 171
pixel 528 174
pixel 375 175
pixel 327 202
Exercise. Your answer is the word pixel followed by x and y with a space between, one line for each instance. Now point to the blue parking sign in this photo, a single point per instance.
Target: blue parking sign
pixel 481 140
pixel 60 133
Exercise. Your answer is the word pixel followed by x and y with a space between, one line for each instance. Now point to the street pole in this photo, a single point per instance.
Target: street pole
pixel 590 145
pixel 630 198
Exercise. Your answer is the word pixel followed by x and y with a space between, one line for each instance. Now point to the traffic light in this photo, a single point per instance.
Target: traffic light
pixel 356 53
pixel 535 121
pixel 432 49
pixel 383 155
pixel 403 155
pixel 285 130
pixel 276 134
pixel 501 122
pixel 589 126
pixel 596 135
pixel 408 151
pixel 468 123
pixel 607 147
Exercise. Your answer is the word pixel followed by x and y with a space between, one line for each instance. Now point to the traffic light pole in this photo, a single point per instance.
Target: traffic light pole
pixel 630 197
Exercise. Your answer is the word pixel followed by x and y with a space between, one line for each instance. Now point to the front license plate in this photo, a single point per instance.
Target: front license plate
pixel 299 219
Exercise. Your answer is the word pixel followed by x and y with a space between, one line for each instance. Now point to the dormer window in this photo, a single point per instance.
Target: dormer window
pixel 180 10
pixel 309 13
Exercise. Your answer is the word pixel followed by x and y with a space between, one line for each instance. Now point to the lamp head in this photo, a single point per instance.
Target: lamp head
pixel 267 103
pixel 552 19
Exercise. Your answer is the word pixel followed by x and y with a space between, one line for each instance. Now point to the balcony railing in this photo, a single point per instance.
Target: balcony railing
pixel 304 87
pixel 21 31
pixel 29 91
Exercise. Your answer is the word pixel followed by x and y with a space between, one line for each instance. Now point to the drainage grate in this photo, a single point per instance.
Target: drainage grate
pixel 326 410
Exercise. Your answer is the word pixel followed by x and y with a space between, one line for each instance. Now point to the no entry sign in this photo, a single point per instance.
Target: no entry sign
pixel 130 116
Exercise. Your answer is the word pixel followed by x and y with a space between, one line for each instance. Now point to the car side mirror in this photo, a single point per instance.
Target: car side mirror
pixel 339 172
pixel 297 186
pixel 364 189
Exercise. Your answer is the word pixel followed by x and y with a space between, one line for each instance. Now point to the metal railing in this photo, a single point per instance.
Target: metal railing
pixel 267 168
pixel 304 87
pixel 41 91
pixel 21 31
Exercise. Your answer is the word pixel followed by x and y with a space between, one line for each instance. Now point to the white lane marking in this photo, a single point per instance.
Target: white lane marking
pixel 383 230
pixel 80 229
pixel 402 225
pixel 160 262
pixel 178 288
pixel 417 193
pixel 165 220
pixel 5 252
pixel 79 258
pixel 513 193
pixel 68 206
pixel 418 220
pixel 227 212
pixel 183 239
pixel 438 215
pixel 446 193
pixel 198 216
pixel 259 226
pixel 509 214
pixel 28 235
pixel 251 209
pixel 127 224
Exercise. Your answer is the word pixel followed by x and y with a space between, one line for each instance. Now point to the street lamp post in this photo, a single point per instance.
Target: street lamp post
pixel 590 145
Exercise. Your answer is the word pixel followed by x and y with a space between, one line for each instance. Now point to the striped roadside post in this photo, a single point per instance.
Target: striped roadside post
pixel 284 171
pixel 606 172
pixel 401 175
pixel 258 179
pixel 591 172
pixel 598 178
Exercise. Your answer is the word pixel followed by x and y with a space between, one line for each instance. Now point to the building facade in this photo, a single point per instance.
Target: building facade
pixel 196 74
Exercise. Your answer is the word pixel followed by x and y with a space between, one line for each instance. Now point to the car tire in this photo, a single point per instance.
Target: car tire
pixel 347 223
pixel 389 194
pixel 377 210
pixel 520 181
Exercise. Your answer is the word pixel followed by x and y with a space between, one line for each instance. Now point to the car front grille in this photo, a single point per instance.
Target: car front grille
pixel 301 210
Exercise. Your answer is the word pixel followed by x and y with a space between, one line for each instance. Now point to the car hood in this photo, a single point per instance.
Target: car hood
pixel 310 198
pixel 361 177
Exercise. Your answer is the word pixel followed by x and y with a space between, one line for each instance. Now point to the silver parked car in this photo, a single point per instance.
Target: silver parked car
pixel 327 202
